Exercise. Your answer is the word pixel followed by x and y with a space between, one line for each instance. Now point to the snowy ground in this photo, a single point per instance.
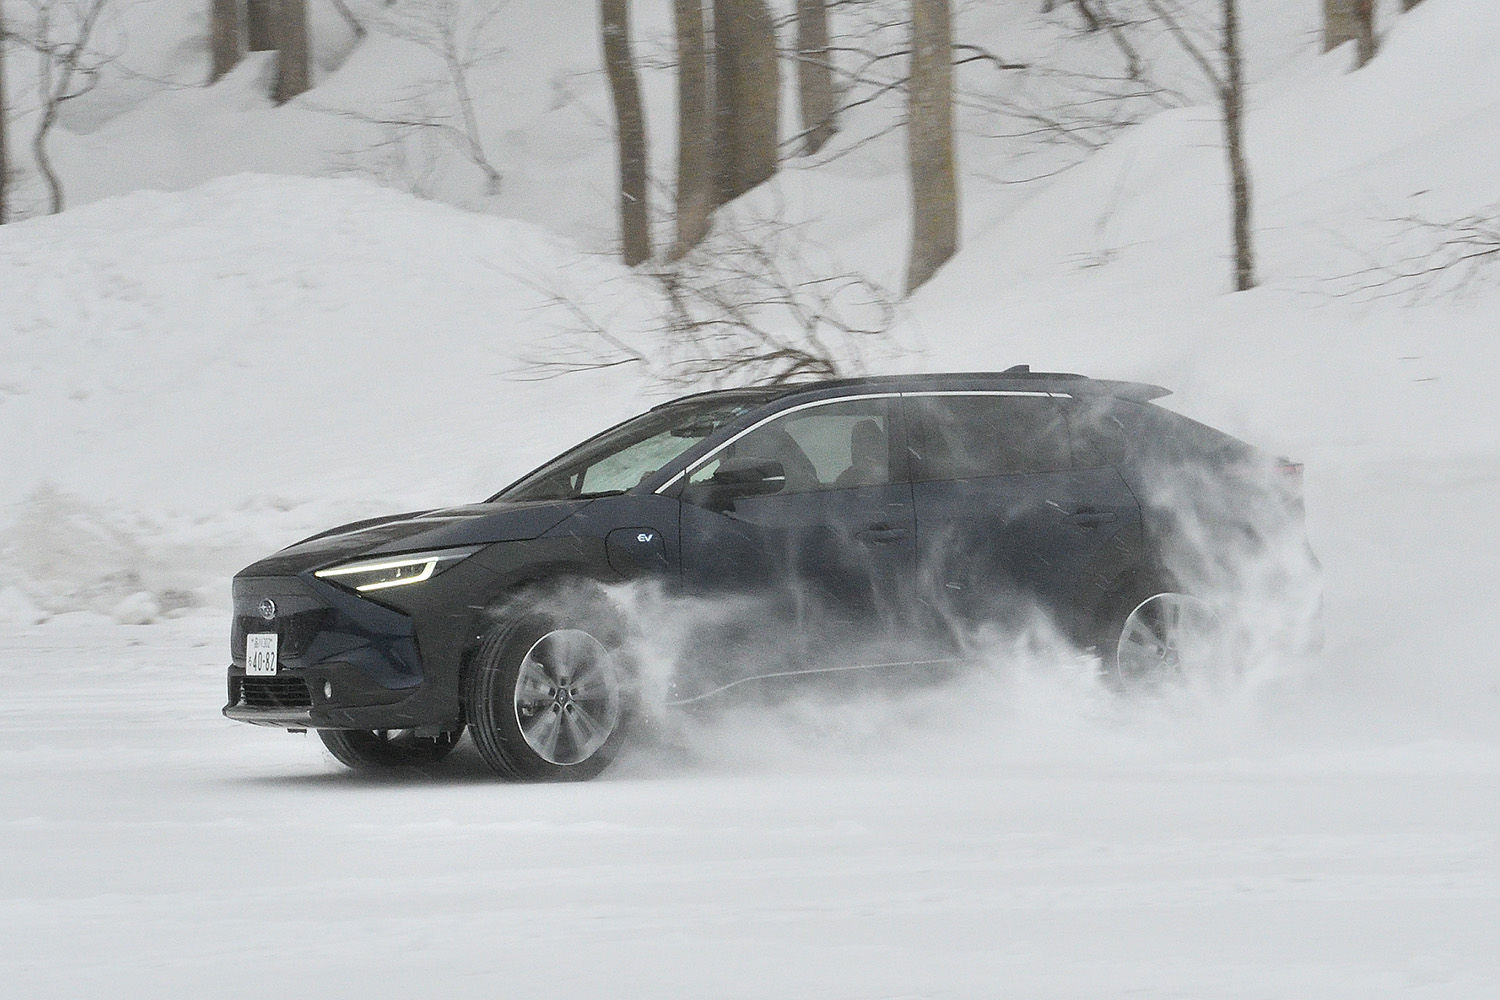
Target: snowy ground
pixel 189 380
pixel 989 839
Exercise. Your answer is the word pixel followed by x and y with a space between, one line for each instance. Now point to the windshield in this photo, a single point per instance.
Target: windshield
pixel 623 457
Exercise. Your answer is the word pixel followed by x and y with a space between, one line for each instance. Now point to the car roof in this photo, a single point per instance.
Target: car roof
pixel 1019 377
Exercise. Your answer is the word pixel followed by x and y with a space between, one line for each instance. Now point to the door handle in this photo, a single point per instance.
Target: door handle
pixel 1088 517
pixel 877 533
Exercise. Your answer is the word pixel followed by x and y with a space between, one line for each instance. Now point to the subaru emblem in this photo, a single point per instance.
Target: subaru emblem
pixel 268 609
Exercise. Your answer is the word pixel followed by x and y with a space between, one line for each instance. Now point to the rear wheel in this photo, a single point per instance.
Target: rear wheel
pixel 387 749
pixel 547 699
pixel 1164 639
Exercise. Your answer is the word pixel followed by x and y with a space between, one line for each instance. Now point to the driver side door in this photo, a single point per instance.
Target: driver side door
pixel 818 574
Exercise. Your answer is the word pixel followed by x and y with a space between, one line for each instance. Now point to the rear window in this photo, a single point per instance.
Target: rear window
pixel 1180 440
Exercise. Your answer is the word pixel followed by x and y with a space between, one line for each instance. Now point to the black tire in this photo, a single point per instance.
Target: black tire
pixel 387 749
pixel 547 696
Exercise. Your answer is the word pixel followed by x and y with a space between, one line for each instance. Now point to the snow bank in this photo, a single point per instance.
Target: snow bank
pixel 240 364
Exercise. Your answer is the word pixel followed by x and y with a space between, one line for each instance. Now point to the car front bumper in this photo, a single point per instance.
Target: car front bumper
pixel 344 662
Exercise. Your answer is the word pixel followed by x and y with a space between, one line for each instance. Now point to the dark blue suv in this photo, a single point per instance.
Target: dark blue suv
pixel 849 526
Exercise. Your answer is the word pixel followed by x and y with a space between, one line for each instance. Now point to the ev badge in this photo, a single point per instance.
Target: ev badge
pixel 268 609
pixel 644 537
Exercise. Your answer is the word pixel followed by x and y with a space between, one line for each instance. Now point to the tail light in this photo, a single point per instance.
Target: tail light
pixel 1289 477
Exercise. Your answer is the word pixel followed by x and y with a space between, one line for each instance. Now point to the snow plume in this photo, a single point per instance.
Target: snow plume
pixel 1232 535
pixel 716 692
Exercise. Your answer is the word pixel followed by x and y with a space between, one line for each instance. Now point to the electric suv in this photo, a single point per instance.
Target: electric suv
pixel 837 527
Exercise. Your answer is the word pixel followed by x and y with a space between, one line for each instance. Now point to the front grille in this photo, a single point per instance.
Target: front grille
pixel 275 692
pixel 297 630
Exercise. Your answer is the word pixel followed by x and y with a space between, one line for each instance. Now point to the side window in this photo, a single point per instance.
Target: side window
pixel 1098 434
pixel 835 446
pixel 963 437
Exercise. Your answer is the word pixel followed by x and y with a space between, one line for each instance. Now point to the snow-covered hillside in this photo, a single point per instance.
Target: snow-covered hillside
pixel 194 376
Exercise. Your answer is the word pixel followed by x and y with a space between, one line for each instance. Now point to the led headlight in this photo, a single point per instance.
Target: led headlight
pixel 395 571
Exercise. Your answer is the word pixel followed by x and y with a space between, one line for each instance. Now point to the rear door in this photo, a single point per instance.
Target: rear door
pixel 1006 524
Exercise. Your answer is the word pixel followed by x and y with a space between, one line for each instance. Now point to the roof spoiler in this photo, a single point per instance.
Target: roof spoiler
pixel 1138 392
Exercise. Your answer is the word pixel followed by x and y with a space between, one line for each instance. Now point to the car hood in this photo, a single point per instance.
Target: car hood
pixel 448 527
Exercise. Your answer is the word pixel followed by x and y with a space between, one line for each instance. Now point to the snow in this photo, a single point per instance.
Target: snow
pixel 195 375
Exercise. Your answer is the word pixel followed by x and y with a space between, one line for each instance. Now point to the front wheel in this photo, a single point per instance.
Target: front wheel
pixel 547 700
pixel 387 749
pixel 1165 639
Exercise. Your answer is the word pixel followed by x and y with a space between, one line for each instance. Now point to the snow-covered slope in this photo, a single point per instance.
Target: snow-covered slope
pixel 228 367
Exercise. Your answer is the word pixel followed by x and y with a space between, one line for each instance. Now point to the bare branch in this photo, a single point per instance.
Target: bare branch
pixel 456 35
pixel 742 307
pixel 1451 257
pixel 1189 45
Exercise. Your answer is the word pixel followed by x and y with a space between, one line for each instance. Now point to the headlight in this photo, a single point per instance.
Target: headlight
pixel 395 571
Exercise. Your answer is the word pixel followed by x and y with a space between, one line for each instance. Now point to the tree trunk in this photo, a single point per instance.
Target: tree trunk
pixel 260 25
pixel 1350 21
pixel 748 91
pixel 4 129
pixel 224 37
pixel 43 160
pixel 48 89
pixel 815 76
pixel 929 137
pixel 1232 95
pixel 695 128
pixel 294 66
pixel 625 88
pixel 1364 16
pixel 1090 19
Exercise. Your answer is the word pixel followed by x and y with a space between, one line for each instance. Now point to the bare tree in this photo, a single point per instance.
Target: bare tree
pixel 355 24
pixel 260 25
pixel 929 137
pixel 748 95
pixel 68 66
pixel 1091 19
pixel 294 61
pixel 1421 257
pixel 1232 99
pixel 749 305
pixel 223 37
pixel 635 215
pixel 4 127
pixel 1350 20
pixel 1225 74
pixel 815 91
pixel 457 33
pixel 1364 11
pixel 695 132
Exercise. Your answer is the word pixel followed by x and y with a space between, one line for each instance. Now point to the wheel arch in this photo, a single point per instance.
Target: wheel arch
pixel 526 592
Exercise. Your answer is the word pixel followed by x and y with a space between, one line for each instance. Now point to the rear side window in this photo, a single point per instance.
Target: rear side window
pixel 968 436
pixel 1181 441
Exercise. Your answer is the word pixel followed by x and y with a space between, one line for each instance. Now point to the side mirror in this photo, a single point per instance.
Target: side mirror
pixel 735 479
pixel 751 476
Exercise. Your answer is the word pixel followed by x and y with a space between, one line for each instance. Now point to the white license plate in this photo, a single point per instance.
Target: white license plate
pixel 260 654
